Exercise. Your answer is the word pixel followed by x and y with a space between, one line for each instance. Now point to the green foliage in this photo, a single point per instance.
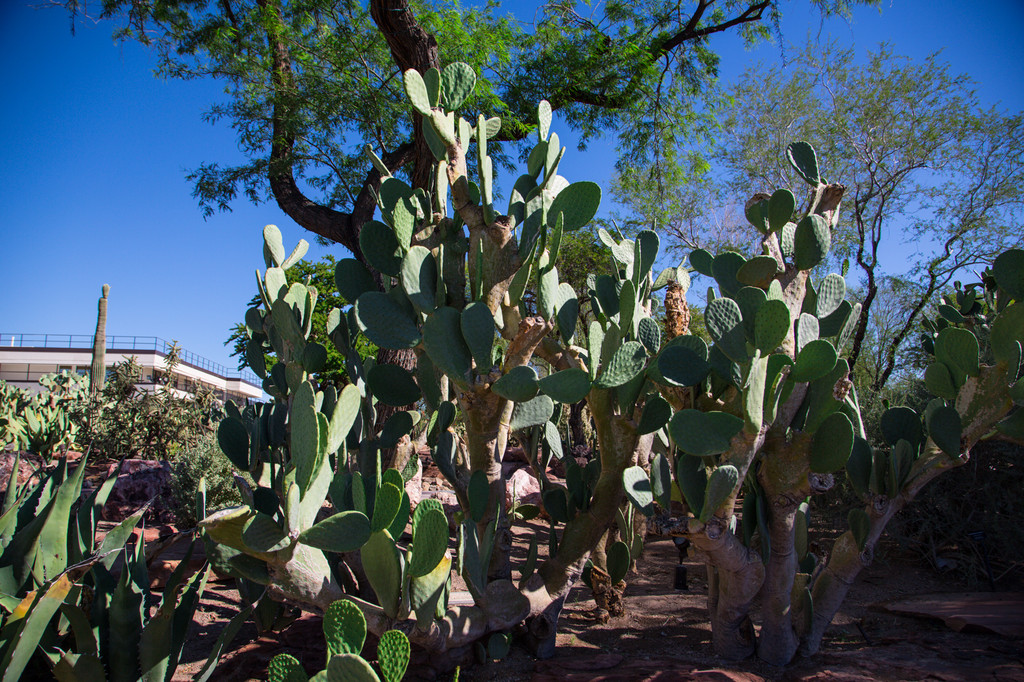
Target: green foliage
pixel 345 632
pixel 51 559
pixel 767 407
pixel 320 274
pixel 202 462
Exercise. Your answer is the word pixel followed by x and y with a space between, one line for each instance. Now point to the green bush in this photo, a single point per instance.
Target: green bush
pixel 189 466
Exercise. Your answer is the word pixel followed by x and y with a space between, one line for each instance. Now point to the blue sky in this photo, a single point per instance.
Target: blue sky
pixel 92 168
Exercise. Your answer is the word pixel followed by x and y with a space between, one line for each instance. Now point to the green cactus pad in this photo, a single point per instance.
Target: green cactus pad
pixel 681 365
pixel 478 493
pixel 385 322
pixel 649 334
pixel 945 429
pixel 393 655
pixel 693 480
pixel 385 507
pixel 655 415
pixel 578 203
pixel 233 438
pixel 831 294
pixel 429 540
pixel 781 206
pixel 419 278
pixel 807 329
pixel 262 534
pixel 286 668
pixel 382 564
pixel 352 279
pixel 771 325
pixel 343 417
pixel 273 246
pixel 860 526
pixel 533 412
pixel 702 261
pixel 556 503
pixel 758 272
pixel 393 385
pixel 607 295
pixel 802 157
pixel 750 300
pixel 958 350
pixel 757 215
pixel 399 424
pixel 1007 332
pixel 811 242
pixel 725 267
pixel 721 485
pixel 628 360
pixel 661 480
pixel 432 82
pixel 627 307
pixel 814 361
pixel 786 239
pixel 547 293
pixel 314 357
pixel 834 323
pixel 518 385
pixel 858 466
pixel 725 324
pixel 832 444
pixel 380 247
pixel 952 314
pixel 442 337
pixel 349 668
pixel 618 561
pixel 344 628
pixel 637 486
pixel 1013 425
pixel 567 386
pixel 901 423
pixel 457 82
pixel 645 253
pixel 343 532
pixel 498 646
pixel 1008 269
pixel 567 309
pixel 595 339
pixel 401 520
pixel 425 592
pixel 703 433
pixel 416 91
pixel 478 332
pixel 305 435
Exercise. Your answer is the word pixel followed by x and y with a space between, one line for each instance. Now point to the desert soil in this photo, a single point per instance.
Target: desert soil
pixel 665 636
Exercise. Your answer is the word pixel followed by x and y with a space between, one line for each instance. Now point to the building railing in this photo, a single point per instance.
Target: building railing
pixel 126 343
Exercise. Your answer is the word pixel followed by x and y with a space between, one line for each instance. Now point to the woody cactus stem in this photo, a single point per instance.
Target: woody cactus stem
pixel 97 374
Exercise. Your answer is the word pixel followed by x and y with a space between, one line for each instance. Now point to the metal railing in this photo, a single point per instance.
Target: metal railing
pixel 126 343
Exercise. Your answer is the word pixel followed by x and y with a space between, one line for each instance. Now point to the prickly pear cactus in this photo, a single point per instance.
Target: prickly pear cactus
pixel 345 632
pixel 685 430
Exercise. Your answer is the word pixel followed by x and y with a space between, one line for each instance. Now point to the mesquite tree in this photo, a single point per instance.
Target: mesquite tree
pixel 767 406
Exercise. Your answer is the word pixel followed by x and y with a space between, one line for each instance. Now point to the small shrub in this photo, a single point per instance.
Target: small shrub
pixel 204 459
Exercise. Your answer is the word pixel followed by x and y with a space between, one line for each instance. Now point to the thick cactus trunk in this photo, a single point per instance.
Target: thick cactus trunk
pixel 735 576
pixel 98 373
pixel 777 642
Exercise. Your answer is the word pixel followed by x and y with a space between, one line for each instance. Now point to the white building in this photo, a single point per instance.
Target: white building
pixel 24 358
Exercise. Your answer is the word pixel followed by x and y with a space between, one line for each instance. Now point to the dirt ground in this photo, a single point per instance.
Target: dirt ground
pixel 665 636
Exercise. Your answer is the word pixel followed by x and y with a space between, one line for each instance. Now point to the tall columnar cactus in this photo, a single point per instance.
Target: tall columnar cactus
pixel 766 411
pixel 98 371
